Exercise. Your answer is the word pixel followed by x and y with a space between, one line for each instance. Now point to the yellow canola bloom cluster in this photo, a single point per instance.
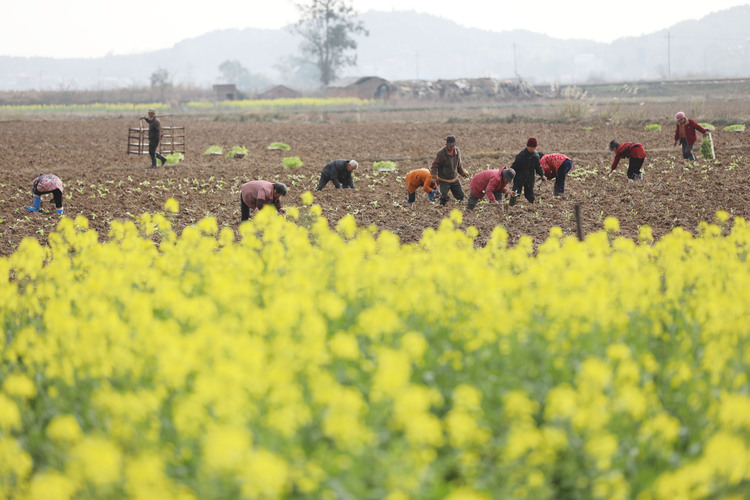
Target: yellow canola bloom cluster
pixel 339 363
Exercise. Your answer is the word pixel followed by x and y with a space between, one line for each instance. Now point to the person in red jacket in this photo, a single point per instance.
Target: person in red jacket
pixel 632 150
pixel 685 134
pixel 493 183
pixel 257 194
pixel 415 179
pixel 556 166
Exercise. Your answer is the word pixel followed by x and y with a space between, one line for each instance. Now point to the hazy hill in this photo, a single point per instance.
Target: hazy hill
pixel 409 45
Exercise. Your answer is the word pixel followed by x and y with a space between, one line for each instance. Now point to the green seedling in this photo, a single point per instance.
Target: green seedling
pixel 237 152
pixel 384 166
pixel 279 145
pixel 292 162
pixel 214 150
pixel 653 126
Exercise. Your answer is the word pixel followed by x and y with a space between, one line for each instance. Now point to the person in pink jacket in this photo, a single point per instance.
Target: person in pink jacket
pixel 255 195
pixel 556 166
pixel 685 134
pixel 46 184
pixel 493 183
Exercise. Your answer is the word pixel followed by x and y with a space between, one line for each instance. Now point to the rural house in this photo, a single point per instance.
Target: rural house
pixel 225 92
pixel 362 87
pixel 279 92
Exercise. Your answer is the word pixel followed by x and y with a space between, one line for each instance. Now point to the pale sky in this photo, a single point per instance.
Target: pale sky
pixel 95 28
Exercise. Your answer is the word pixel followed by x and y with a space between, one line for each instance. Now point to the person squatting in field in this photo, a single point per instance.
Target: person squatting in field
pixel 445 171
pixel 493 183
pixel 339 172
pixel 154 136
pixel 525 165
pixel 556 166
pixel 634 152
pixel 415 179
pixel 47 184
pixel 685 134
pixel 254 195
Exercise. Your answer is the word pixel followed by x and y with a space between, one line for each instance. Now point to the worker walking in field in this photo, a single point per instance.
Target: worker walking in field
pixel 685 134
pixel 556 166
pixel 493 183
pixel 635 152
pixel 255 195
pixel 154 136
pixel 339 172
pixel 46 184
pixel 420 178
pixel 525 165
pixel 445 170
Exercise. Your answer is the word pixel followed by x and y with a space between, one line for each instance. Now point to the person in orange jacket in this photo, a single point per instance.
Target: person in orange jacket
pixel 415 179
pixel 685 134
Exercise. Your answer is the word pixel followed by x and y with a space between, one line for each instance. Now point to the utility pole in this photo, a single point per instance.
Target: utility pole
pixel 515 64
pixel 417 65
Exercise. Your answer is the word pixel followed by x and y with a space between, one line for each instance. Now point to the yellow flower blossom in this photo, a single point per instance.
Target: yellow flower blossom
pixel 307 198
pixel 64 429
pixel 172 206
pixel 19 385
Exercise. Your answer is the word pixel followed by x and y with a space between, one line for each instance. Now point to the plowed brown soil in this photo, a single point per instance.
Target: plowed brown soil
pixel 103 182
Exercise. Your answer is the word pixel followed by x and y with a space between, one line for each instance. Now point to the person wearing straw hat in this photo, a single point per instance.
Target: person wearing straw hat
pixel 154 135
pixel 685 134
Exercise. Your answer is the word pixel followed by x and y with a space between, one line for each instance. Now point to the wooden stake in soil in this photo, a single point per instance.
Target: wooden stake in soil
pixel 579 230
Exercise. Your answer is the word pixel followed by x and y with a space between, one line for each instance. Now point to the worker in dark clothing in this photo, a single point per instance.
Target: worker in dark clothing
pixel 339 172
pixel 445 171
pixel 525 165
pixel 632 150
pixel 154 135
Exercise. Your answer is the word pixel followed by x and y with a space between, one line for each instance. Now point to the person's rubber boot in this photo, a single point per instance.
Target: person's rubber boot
pixel 409 202
pixel 36 201
pixel 59 211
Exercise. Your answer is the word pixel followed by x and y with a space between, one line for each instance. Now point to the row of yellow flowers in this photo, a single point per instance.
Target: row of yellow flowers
pixel 192 106
pixel 286 362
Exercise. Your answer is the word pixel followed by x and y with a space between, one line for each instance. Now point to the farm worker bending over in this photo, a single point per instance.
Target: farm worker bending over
pixel 493 183
pixel 685 134
pixel 556 166
pixel 154 135
pixel 525 164
pixel 257 194
pixel 632 150
pixel 46 184
pixel 445 169
pixel 420 178
pixel 339 172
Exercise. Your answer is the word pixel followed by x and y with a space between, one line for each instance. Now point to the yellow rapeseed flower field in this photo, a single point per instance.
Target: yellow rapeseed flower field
pixel 340 363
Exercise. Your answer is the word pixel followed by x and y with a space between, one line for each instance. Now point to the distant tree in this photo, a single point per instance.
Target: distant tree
pixel 161 80
pixel 234 72
pixel 327 28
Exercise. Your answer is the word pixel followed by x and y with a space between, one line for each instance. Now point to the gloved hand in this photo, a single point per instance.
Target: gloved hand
pixel 433 195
